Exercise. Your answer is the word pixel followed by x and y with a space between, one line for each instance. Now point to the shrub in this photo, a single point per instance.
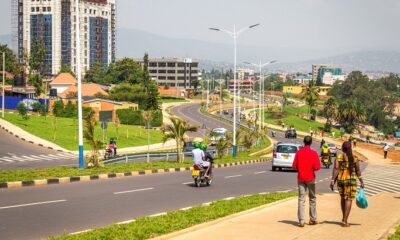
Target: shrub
pixel 132 117
pixel 36 106
pixel 58 108
pixel 21 108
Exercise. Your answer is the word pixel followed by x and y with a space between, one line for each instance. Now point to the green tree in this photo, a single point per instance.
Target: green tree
pixel 176 130
pixel 37 66
pixel 350 115
pixel 58 108
pixel 22 110
pixel 330 112
pixel 66 69
pixel 36 107
pixel 97 74
pixel 221 146
pixel 94 143
pixel 248 139
pixel 311 96
pixel 11 60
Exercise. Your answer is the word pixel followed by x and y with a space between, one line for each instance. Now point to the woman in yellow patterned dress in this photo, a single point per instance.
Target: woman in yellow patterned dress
pixel 345 173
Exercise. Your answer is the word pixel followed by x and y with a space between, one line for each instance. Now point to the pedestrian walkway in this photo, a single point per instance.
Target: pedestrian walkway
pixel 279 222
pixel 11 158
pixel 381 178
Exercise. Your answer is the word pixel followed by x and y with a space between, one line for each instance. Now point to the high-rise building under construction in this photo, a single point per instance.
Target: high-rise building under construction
pixel 53 22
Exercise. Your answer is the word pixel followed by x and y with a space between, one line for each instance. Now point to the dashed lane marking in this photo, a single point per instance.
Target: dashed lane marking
pixel 135 190
pixel 32 204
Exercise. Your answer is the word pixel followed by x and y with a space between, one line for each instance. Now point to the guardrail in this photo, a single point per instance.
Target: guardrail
pixel 142 157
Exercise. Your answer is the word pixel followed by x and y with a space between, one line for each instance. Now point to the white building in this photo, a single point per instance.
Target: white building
pixel 53 22
pixel 244 73
pixel 330 79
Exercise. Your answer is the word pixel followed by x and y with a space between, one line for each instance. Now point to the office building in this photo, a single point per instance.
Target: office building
pixel 244 73
pixel 53 22
pixel 316 69
pixel 174 72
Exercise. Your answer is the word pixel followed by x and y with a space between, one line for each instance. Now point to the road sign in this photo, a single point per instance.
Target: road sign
pixel 105 116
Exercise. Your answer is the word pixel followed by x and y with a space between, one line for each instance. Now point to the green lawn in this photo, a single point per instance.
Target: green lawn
pixel 150 227
pixel 299 123
pixel 396 236
pixel 67 131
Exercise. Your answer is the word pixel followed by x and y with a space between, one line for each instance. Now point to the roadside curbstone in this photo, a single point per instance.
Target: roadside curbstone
pixel 63 180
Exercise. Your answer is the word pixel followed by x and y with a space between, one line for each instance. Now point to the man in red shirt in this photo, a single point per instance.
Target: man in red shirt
pixel 306 162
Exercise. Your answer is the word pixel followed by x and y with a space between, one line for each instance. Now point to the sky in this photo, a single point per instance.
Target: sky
pixel 331 26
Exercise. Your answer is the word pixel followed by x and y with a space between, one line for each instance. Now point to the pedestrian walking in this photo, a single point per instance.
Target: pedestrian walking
pixel 354 142
pixel 322 133
pixel 345 172
pixel 311 133
pixel 385 150
pixel 306 161
pixel 333 134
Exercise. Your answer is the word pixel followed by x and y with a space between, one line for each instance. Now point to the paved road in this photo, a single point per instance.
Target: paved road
pixel 15 154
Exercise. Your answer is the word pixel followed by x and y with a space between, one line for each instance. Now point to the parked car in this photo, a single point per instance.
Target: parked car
pixel 283 155
pixel 217 134
pixel 291 133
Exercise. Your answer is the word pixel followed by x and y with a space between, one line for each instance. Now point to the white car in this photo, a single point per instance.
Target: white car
pixel 283 155
pixel 217 134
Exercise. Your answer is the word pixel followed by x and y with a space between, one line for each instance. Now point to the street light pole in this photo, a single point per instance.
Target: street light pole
pixel 208 93
pixel 235 34
pixel 78 74
pixel 262 92
pixel 4 80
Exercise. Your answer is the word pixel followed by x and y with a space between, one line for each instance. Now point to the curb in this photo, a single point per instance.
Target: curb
pixel 38 144
pixel 63 180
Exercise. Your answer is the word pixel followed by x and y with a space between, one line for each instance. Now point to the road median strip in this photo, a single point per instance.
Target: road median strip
pixel 175 222
pixel 104 176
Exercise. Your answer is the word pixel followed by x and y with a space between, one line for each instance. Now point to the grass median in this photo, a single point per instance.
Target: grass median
pixel 149 227
pixel 59 172
pixel 396 236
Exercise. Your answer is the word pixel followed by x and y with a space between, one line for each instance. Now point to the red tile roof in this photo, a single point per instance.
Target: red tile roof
pixel 88 90
pixel 64 78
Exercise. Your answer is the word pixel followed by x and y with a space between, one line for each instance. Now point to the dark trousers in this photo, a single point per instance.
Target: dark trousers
pixel 385 153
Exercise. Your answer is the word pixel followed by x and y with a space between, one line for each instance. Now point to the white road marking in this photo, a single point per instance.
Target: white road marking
pixel 87 230
pixel 32 204
pixel 234 176
pixel 206 204
pixel 126 222
pixel 187 183
pixel 256 173
pixel 136 190
pixel 158 214
pixel 186 208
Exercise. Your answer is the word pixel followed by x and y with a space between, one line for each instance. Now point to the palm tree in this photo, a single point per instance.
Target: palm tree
pixel 311 96
pixel 351 114
pixel 248 139
pixel 176 130
pixel 147 115
pixel 330 112
pixel 89 135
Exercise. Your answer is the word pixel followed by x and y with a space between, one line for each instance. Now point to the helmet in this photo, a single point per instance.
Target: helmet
pixel 203 147
pixel 339 156
pixel 196 145
pixel 326 145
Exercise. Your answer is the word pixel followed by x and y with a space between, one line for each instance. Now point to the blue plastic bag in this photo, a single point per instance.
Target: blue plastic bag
pixel 361 200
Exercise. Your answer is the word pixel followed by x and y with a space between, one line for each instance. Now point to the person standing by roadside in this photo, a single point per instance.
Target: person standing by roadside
pixel 345 172
pixel 385 150
pixel 307 162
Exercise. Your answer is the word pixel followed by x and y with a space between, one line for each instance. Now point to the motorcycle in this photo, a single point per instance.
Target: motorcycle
pixel 326 161
pixel 198 173
pixel 108 153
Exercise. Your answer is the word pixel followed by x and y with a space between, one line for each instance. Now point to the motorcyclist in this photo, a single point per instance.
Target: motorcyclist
pixel 208 157
pixel 325 152
pixel 199 157
pixel 112 148
pixel 322 143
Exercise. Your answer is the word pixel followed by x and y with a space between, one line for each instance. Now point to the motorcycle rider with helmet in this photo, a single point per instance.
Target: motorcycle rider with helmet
pixel 208 157
pixel 199 158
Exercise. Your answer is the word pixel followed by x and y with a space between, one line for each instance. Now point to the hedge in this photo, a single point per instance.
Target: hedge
pixel 133 117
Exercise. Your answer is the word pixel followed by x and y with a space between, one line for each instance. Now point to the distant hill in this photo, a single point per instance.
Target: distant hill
pixel 134 43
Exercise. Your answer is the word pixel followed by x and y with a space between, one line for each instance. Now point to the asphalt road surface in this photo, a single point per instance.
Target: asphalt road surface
pixel 38 212
pixel 18 154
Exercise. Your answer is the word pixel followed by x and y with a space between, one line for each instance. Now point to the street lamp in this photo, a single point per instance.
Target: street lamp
pixel 262 93
pixel 234 34
pixel 4 80
pixel 78 74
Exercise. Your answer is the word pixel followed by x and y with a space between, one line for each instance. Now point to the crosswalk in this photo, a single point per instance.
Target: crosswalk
pixel 10 158
pixel 381 178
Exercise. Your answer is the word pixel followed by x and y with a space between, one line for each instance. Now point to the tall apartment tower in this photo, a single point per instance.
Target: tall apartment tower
pixel 54 23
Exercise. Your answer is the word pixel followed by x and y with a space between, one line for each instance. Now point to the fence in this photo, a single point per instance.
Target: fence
pixel 12 102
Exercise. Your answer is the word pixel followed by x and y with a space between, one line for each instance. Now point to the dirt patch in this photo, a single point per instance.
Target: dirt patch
pixel 393 154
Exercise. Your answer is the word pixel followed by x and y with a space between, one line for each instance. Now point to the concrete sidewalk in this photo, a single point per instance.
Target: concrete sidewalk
pixel 280 222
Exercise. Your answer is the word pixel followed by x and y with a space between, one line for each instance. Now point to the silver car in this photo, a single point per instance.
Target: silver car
pixel 283 155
